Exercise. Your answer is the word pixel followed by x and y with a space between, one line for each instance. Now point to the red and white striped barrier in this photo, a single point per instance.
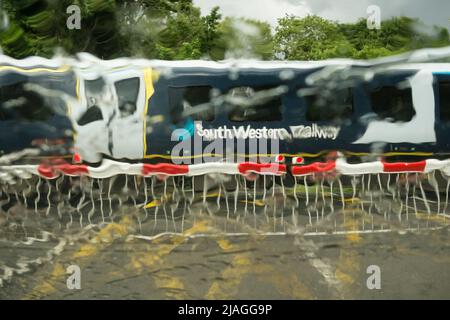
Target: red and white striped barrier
pixel 110 168
pixel 344 168
pixel 212 167
pixel 262 168
pixel 315 167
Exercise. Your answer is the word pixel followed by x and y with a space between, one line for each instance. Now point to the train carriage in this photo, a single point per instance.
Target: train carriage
pixel 128 110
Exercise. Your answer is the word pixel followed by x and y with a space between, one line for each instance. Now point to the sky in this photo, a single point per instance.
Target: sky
pixel 432 12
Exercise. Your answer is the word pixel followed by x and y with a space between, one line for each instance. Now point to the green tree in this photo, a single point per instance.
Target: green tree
pixel 38 27
pixel 187 35
pixel 397 35
pixel 243 38
pixel 175 29
pixel 165 29
pixel 314 38
pixel 310 38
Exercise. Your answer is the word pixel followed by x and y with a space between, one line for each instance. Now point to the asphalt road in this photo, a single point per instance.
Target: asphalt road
pixel 272 249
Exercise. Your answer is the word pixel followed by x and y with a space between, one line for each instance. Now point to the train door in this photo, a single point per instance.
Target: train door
pixel 127 123
pixel 109 115
pixel 91 118
pixel 442 91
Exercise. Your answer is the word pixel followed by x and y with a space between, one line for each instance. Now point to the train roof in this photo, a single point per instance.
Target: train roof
pixel 416 60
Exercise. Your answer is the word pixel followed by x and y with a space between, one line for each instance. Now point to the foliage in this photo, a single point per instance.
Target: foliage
pixel 310 38
pixel 176 29
pixel 314 38
pixel 186 34
pixel 243 38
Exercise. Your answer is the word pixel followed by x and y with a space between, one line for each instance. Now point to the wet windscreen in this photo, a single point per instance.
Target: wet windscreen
pixel 224 151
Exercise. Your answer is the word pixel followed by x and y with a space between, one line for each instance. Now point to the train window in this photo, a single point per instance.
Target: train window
pixel 92 114
pixel 16 102
pixel 127 93
pixel 94 86
pixel 338 107
pixel 256 106
pixel 182 99
pixel 393 103
pixel 444 100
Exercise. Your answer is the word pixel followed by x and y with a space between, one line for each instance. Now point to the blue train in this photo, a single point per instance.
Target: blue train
pixel 140 110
